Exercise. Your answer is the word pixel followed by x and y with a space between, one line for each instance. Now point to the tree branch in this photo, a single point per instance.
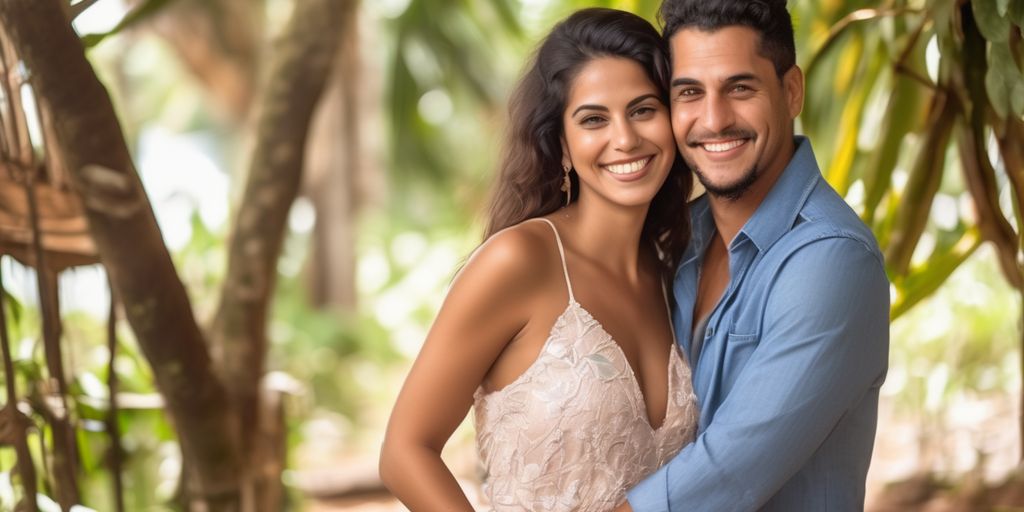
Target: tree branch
pixel 846 22
pixel 298 72
pixel 219 42
pixel 12 422
pixel 128 240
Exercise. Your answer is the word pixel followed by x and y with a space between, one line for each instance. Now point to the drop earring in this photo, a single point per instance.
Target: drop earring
pixel 567 185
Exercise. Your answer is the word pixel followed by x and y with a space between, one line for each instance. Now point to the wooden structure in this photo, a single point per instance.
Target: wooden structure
pixel 30 172
pixel 42 225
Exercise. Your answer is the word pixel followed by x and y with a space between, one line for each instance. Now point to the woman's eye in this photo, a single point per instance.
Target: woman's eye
pixel 644 111
pixel 591 121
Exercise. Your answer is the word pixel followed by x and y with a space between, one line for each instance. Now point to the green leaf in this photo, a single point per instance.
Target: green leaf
pixel 13 306
pixel 140 13
pixel 1017 97
pixel 845 154
pixel 922 184
pixel 1016 12
pixel 902 114
pixel 923 281
pixel 994 27
pixel 1002 6
pixel 941 12
pixel 1002 81
pixel 506 12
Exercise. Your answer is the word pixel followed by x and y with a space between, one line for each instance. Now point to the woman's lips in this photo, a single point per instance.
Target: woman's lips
pixel 631 170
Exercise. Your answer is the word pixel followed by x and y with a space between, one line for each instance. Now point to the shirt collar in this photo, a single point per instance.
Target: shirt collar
pixel 774 216
pixel 778 211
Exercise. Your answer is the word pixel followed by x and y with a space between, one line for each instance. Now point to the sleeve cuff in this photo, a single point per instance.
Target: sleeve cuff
pixel 651 494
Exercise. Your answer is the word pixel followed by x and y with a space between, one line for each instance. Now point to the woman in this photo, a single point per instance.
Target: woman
pixel 557 329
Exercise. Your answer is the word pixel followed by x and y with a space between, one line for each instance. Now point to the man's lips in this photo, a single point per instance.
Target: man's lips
pixel 722 146
pixel 721 143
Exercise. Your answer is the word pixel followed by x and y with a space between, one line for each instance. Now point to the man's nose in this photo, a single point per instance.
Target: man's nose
pixel 718 114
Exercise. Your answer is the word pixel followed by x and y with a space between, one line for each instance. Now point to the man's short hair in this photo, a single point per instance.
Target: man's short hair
pixel 769 18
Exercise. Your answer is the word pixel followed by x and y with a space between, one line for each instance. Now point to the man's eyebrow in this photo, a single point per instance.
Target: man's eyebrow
pixel 740 77
pixel 676 82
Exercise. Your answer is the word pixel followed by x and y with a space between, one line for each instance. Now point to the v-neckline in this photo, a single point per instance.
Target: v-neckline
pixel 638 392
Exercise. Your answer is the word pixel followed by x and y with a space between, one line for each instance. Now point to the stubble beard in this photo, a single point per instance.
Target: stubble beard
pixel 728 191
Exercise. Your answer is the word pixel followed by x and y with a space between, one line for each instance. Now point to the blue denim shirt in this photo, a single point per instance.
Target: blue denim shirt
pixel 791 362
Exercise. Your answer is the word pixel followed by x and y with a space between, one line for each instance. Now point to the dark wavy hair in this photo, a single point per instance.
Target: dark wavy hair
pixel 769 18
pixel 530 173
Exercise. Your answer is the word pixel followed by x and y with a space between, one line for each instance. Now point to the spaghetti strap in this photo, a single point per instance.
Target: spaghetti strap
pixel 561 253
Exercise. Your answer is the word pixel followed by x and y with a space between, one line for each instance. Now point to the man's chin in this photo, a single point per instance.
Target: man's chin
pixel 730 191
pixel 727 193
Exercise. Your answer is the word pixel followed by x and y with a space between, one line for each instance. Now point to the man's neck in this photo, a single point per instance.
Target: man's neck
pixel 732 214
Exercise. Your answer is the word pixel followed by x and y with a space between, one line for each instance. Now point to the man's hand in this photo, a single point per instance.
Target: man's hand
pixel 624 507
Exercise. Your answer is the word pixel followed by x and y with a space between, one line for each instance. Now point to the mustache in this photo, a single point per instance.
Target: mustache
pixel 695 139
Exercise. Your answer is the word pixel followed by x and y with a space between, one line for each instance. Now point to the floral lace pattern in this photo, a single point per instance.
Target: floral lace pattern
pixel 572 432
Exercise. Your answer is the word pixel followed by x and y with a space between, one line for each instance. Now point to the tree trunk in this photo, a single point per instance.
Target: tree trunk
pixel 335 164
pixel 271 451
pixel 213 402
pixel 298 72
pixel 128 240
pixel 1011 148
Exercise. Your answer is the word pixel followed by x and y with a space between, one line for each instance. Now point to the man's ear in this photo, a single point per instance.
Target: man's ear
pixel 793 88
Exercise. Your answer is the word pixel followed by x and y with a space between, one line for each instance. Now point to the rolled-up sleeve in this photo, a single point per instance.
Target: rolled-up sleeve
pixel 823 347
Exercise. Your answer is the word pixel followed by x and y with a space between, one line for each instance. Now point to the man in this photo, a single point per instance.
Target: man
pixel 782 298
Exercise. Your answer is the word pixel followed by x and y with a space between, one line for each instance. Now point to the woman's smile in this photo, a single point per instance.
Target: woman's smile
pixel 629 170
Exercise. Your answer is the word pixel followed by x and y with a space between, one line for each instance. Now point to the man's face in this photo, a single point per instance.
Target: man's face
pixel 731 115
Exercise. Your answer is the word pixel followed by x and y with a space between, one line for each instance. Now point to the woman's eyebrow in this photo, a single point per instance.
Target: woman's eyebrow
pixel 602 108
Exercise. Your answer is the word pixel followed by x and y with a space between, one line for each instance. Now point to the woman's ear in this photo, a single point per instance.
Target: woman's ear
pixel 566 159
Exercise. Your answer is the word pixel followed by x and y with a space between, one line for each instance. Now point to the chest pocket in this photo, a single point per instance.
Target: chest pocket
pixel 738 348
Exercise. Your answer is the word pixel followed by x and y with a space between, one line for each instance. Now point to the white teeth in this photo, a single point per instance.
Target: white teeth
pixel 723 146
pixel 628 168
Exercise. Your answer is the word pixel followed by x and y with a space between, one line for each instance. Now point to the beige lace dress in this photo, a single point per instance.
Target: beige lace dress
pixel 572 432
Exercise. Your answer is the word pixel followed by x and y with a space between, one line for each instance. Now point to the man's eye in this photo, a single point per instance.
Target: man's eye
pixel 741 88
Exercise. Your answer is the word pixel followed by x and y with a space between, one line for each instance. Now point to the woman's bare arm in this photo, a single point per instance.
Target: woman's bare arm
pixel 489 303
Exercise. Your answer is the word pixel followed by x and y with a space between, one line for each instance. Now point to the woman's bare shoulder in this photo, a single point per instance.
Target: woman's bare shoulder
pixel 516 258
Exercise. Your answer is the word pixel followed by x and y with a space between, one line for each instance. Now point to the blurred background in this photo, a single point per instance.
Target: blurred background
pixel 391 114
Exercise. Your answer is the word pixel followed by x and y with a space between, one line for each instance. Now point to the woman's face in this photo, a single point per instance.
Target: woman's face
pixel 618 134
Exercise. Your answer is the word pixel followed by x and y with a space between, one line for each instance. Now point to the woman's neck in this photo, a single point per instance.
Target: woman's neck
pixel 608 235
